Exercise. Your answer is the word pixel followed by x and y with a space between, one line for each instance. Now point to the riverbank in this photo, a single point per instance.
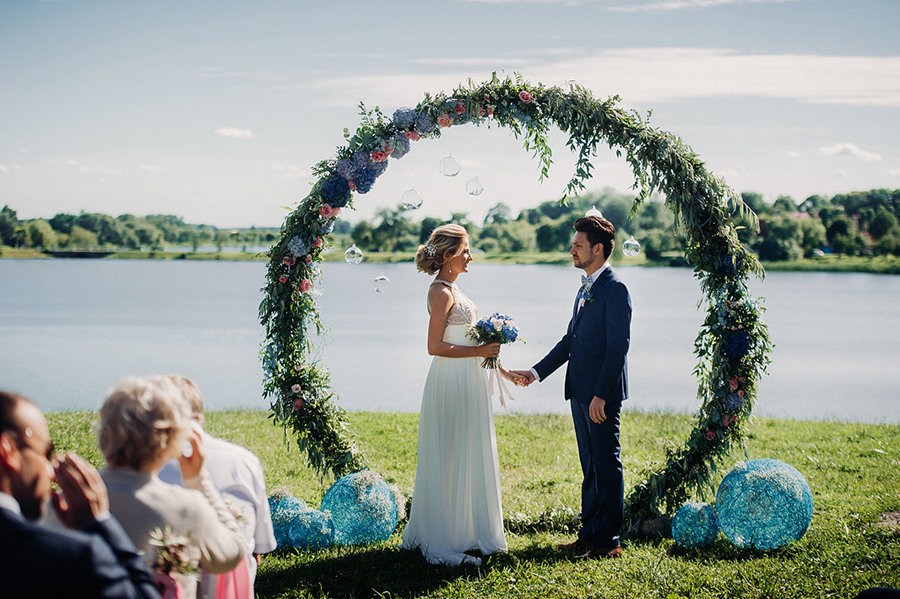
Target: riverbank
pixel 852 469
pixel 828 263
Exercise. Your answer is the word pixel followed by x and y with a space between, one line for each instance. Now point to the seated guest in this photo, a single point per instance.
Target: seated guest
pixel 96 557
pixel 144 424
pixel 237 474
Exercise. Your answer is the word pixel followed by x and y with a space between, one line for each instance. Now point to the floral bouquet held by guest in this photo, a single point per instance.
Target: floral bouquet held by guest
pixel 173 554
pixel 496 328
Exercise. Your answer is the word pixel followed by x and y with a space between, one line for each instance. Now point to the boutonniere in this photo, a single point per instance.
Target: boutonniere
pixel 585 293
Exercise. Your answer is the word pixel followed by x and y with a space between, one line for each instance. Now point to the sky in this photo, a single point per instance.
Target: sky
pixel 216 110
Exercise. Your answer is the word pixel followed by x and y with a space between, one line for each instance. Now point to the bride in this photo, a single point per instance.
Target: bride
pixel 456 502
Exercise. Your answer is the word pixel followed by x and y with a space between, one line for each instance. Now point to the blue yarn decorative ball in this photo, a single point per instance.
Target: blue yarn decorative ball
pixel 311 529
pixel 764 504
pixel 284 510
pixel 695 525
pixel 362 507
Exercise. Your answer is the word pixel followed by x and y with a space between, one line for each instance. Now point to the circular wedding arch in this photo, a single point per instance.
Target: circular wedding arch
pixel 732 347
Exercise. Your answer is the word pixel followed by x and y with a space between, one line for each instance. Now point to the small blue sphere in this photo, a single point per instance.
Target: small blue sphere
pixel 764 504
pixel 311 529
pixel 362 507
pixel 284 510
pixel 695 525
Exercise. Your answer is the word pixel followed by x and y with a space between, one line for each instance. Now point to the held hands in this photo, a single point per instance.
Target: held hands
pixel 514 378
pixel 83 497
pixel 522 378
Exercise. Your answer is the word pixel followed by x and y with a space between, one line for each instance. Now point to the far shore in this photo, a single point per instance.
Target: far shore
pixel 827 263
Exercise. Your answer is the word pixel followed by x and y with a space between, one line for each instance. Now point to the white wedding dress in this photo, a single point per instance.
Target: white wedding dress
pixel 456 502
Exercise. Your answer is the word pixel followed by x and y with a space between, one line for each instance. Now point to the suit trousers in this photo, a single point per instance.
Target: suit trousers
pixel 603 489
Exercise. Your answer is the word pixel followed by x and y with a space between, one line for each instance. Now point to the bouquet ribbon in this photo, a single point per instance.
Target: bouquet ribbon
pixel 502 390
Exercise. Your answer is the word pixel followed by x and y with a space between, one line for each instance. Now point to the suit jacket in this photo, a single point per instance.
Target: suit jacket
pixel 99 561
pixel 595 344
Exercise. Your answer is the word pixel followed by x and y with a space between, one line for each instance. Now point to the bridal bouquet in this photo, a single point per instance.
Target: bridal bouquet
pixel 496 328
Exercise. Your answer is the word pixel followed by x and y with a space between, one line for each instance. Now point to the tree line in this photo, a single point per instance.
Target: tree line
pixel 855 223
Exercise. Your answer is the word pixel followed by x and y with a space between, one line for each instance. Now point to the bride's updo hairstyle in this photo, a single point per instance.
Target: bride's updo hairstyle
pixel 444 239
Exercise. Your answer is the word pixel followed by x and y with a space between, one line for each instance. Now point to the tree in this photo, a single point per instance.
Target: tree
pixel 784 205
pixel 812 236
pixel 42 234
pixel 429 224
pixel 81 238
pixel 9 222
pixel 882 222
pixel 498 214
pixel 755 202
pixel 782 241
pixel 63 223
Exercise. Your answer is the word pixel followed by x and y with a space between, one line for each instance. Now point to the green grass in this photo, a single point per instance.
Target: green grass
pixel 853 470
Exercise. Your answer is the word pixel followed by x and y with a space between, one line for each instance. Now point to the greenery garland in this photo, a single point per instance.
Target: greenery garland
pixel 732 346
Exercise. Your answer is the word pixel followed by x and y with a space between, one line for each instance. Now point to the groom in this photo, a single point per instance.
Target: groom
pixel 594 346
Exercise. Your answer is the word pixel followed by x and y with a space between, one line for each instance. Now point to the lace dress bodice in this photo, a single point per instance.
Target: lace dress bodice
pixel 464 311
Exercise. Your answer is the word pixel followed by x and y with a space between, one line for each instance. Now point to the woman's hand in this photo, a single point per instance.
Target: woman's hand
pixel 191 467
pixel 488 350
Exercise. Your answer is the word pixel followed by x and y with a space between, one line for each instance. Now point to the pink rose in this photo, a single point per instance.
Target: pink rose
pixel 335 212
pixel 317 243
pixel 296 388
pixel 525 97
pixel 481 111
pixel 413 135
pixel 308 259
pixel 298 404
pixel 445 120
pixel 741 393
pixel 460 107
pixel 305 285
pixel 326 211
pixel 287 260
pixel 352 185
pixel 727 419
pixel 378 156
pixel 733 383
pixel 490 111
pixel 282 279
pixel 297 367
pixel 710 435
pixel 388 148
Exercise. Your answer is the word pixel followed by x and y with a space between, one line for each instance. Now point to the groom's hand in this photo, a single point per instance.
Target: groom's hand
pixel 523 378
pixel 598 410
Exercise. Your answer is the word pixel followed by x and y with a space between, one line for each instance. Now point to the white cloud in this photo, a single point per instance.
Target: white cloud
pixel 98 170
pixel 149 168
pixel 841 173
pixel 234 132
pixel 63 162
pixel 793 154
pixel 848 149
pixel 894 172
pixel 651 75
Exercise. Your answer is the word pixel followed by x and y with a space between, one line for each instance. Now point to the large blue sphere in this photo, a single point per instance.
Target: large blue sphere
pixel 362 507
pixel 764 504
pixel 312 529
pixel 695 525
pixel 284 510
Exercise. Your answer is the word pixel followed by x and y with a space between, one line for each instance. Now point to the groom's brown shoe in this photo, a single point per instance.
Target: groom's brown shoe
pixel 602 553
pixel 576 545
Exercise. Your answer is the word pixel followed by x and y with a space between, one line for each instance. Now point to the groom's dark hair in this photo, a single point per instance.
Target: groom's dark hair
pixel 598 230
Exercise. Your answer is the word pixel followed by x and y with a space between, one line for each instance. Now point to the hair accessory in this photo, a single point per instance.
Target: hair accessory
pixel 430 250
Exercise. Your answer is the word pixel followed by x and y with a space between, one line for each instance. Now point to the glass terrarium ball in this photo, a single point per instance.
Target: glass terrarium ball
pixel 474 187
pixel 594 212
pixel 632 247
pixel 449 166
pixel 353 255
pixel 381 283
pixel 411 200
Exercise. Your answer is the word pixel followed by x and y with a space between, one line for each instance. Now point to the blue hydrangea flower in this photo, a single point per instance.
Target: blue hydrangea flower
pixel 297 246
pixel 424 123
pixel 327 228
pixel 364 179
pixel 379 167
pixel 345 168
pixel 336 191
pixel 733 402
pixel 736 344
pixel 361 160
pixel 510 333
pixel 401 146
pixel 404 118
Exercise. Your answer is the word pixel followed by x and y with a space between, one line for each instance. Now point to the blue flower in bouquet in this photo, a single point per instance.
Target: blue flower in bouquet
pixel 364 179
pixel 424 123
pixel 496 328
pixel 297 246
pixel 733 402
pixel 336 191
pixel 736 344
pixel 404 118
pixel 401 146
pixel 379 167
pixel 327 228
pixel 361 159
pixel 345 168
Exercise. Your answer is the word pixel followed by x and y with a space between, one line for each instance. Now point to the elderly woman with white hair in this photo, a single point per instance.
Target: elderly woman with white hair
pixel 143 424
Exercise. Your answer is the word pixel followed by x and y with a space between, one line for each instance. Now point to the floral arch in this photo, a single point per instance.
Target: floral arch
pixel 731 347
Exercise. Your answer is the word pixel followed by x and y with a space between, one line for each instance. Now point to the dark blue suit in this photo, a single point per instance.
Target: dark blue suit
pixel 100 561
pixel 594 349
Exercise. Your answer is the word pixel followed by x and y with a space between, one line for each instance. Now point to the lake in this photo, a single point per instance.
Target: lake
pixel 70 328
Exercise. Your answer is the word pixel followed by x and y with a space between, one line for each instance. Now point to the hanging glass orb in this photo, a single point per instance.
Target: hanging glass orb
pixel 381 283
pixel 474 187
pixel 411 200
pixel 632 247
pixel 594 212
pixel 353 255
pixel 449 166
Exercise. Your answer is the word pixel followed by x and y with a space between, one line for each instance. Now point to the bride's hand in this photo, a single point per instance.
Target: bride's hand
pixel 516 380
pixel 488 350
